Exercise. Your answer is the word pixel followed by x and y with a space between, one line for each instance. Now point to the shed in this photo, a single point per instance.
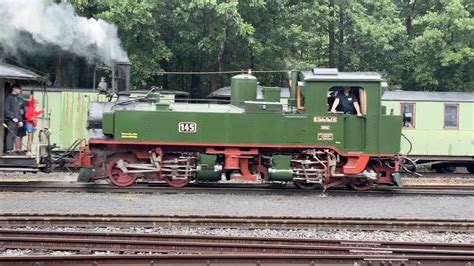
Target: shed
pixel 11 74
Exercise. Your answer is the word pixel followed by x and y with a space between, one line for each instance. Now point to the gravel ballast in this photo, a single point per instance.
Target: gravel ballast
pixel 310 233
pixel 24 177
pixel 318 205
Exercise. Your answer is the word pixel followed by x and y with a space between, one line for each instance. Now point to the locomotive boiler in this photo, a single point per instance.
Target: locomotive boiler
pixel 249 139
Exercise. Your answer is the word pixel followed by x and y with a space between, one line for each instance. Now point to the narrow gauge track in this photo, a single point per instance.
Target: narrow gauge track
pixel 141 242
pixel 181 248
pixel 247 222
pixel 262 189
pixel 240 259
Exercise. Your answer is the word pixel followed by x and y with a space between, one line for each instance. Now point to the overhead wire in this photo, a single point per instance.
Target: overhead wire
pixel 219 72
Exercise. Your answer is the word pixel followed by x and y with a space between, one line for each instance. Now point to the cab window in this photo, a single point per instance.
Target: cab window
pixel 300 97
pixel 349 99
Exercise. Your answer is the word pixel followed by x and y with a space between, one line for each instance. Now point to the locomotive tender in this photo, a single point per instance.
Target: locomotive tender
pixel 247 140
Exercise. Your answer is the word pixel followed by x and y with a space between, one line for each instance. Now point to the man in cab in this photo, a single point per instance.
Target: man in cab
pixel 346 102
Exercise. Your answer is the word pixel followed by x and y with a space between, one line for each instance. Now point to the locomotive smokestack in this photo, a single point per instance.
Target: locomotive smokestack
pixel 123 78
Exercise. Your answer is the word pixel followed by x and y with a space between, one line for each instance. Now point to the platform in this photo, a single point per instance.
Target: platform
pixel 21 163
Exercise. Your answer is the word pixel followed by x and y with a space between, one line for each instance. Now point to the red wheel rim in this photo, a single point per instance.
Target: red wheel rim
pixel 177 182
pixel 117 176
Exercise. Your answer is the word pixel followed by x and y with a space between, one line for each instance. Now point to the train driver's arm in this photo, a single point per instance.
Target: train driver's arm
pixel 335 104
pixel 357 108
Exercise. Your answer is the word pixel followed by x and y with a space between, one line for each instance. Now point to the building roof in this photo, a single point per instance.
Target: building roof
pixel 332 74
pixel 89 90
pixel 428 96
pixel 8 71
pixel 225 92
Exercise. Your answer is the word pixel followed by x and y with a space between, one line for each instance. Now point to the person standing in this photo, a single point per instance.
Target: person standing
pixel 21 133
pixel 31 121
pixel 12 116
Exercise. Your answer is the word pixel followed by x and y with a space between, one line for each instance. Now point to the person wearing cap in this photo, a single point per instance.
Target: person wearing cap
pixel 12 117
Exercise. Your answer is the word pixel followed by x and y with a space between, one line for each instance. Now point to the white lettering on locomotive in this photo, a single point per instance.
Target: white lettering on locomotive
pixel 325 119
pixel 325 136
pixel 187 127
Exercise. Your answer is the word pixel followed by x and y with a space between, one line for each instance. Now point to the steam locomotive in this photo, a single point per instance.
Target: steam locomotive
pixel 249 139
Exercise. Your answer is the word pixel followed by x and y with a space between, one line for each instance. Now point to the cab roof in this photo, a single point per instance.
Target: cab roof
pixel 8 71
pixel 333 74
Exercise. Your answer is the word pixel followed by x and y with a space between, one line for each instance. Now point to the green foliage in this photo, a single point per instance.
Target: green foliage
pixel 443 52
pixel 416 44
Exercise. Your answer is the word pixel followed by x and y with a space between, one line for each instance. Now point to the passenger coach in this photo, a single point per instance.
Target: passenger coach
pixel 439 127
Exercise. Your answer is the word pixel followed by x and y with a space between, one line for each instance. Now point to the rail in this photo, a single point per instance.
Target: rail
pixel 262 189
pixel 204 250
pixel 12 220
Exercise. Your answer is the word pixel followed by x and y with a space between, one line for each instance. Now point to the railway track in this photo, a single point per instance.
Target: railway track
pixel 195 250
pixel 248 222
pixel 240 259
pixel 38 186
pixel 433 175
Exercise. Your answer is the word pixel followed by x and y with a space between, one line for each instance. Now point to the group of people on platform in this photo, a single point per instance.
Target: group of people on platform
pixel 20 120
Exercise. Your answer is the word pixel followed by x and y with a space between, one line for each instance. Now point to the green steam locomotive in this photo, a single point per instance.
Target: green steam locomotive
pixel 248 140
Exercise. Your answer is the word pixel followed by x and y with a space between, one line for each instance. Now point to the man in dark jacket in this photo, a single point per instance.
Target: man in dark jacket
pixel 13 118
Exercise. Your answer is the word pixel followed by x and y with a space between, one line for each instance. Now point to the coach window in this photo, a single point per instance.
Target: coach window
pixel 408 113
pixel 451 116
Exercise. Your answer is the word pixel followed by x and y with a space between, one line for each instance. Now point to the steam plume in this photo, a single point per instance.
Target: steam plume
pixel 27 24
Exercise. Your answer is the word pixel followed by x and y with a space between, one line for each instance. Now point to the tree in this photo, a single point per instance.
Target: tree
pixel 443 54
pixel 416 44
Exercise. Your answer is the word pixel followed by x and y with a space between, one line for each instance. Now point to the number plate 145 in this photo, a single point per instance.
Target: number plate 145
pixel 187 127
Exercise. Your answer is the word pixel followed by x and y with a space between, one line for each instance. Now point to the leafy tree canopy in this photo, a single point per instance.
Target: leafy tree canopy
pixel 416 44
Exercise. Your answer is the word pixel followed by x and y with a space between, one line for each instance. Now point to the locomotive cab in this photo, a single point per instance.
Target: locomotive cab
pixel 374 132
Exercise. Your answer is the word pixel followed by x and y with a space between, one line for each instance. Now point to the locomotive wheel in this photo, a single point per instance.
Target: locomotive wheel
pixel 116 175
pixel 360 184
pixel 470 168
pixel 176 182
pixel 444 169
pixel 306 186
pixel 263 171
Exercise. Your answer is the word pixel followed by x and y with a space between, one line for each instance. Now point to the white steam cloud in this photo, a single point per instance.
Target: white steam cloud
pixel 27 24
